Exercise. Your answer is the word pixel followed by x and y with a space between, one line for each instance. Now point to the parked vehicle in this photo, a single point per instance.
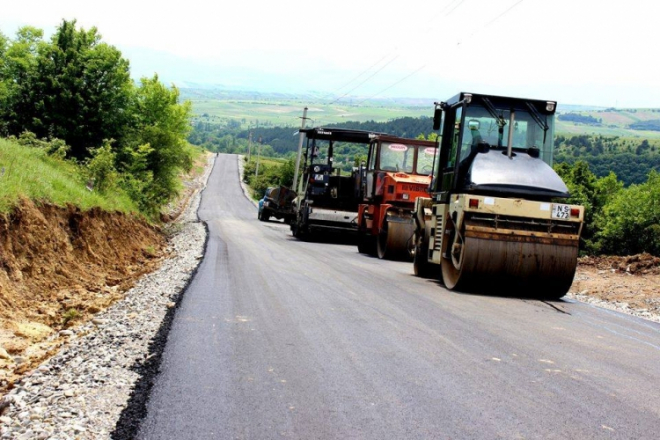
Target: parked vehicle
pixel 277 202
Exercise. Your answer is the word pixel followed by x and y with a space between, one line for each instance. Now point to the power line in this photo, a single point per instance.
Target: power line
pixel 366 79
pixel 449 5
pixel 474 33
pixel 454 8
pixel 399 81
pixel 491 22
pixel 450 8
pixel 359 75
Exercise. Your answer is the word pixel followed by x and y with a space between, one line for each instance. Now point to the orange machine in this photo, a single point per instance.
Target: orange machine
pixel 398 171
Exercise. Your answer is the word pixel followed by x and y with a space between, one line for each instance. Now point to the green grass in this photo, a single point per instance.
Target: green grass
pixel 27 172
pixel 268 161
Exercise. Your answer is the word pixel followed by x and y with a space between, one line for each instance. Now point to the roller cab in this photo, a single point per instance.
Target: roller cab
pixel 497 217
pixel 398 171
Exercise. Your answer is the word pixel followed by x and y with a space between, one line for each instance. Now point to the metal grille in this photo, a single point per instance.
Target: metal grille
pixel 437 241
pixel 524 224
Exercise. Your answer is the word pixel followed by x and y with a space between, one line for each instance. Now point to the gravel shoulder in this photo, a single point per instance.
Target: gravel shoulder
pixel 97 385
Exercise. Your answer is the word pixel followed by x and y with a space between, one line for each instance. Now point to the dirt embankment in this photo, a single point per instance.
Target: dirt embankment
pixel 59 266
pixel 630 284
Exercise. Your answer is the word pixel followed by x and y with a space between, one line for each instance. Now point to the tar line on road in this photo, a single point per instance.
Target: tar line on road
pixel 136 408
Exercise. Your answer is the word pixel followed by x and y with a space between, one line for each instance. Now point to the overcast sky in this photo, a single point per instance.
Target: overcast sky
pixel 573 51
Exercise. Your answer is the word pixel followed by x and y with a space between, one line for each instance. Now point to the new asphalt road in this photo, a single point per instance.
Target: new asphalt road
pixel 278 338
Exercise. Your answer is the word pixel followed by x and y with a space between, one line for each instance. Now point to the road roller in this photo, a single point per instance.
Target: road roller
pixel 397 172
pixel 497 218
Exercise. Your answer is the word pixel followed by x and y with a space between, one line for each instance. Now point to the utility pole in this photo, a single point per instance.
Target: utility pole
pixel 300 144
pixel 249 145
pixel 256 174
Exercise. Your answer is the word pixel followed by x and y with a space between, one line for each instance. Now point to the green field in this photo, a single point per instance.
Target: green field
pixel 265 113
pixel 615 122
pixel 265 110
pixel 568 128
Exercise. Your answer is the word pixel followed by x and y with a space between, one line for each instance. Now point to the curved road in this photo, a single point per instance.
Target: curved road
pixel 277 338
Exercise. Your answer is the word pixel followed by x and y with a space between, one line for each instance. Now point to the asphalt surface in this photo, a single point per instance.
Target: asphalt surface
pixel 277 338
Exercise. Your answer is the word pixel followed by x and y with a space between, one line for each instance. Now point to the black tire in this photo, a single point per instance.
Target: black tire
pixel 366 244
pixel 421 266
pixel 298 231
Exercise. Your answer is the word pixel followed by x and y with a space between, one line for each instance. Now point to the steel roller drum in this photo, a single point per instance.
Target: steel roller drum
pixel 514 266
pixel 393 244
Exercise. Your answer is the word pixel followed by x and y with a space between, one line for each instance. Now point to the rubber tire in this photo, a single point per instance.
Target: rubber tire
pixel 366 244
pixel 421 267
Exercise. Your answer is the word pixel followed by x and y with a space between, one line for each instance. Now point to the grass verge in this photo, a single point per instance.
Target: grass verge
pixel 27 172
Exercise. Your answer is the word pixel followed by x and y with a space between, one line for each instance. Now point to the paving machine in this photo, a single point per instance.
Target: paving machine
pixel 496 218
pixel 398 171
pixel 327 201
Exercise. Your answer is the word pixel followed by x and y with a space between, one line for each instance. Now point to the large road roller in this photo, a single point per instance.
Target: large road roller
pixel 497 218
pixel 397 172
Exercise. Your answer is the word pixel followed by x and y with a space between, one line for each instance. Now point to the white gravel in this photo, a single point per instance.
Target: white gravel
pixel 622 307
pixel 96 386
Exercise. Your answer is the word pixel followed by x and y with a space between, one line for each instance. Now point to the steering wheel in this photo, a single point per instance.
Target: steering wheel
pixel 426 169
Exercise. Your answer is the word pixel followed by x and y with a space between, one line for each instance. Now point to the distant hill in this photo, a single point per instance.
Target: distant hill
pixel 626 141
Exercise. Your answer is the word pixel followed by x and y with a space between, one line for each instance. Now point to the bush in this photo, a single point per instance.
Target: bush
pixel 630 222
pixel 101 168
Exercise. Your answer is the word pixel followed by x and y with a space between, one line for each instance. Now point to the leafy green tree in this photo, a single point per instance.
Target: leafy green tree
pixel 286 172
pixel 160 125
pixel 605 189
pixel 630 222
pixel 581 183
pixel 77 90
pixel 5 84
pixel 18 60
pixel 101 168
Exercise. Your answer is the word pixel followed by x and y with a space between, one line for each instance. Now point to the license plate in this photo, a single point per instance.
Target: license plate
pixel 561 211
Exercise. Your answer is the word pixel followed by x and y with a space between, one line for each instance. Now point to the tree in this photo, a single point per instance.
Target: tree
pixel 18 60
pixel 581 183
pixel 630 222
pixel 159 126
pixel 77 90
pixel 5 84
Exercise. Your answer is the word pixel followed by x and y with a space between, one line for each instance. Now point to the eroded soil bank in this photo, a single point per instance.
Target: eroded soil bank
pixel 630 284
pixel 60 266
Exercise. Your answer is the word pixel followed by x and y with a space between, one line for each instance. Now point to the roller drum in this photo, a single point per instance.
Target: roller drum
pixel 526 267
pixel 395 239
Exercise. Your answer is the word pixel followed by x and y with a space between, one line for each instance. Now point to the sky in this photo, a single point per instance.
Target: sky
pixel 578 52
